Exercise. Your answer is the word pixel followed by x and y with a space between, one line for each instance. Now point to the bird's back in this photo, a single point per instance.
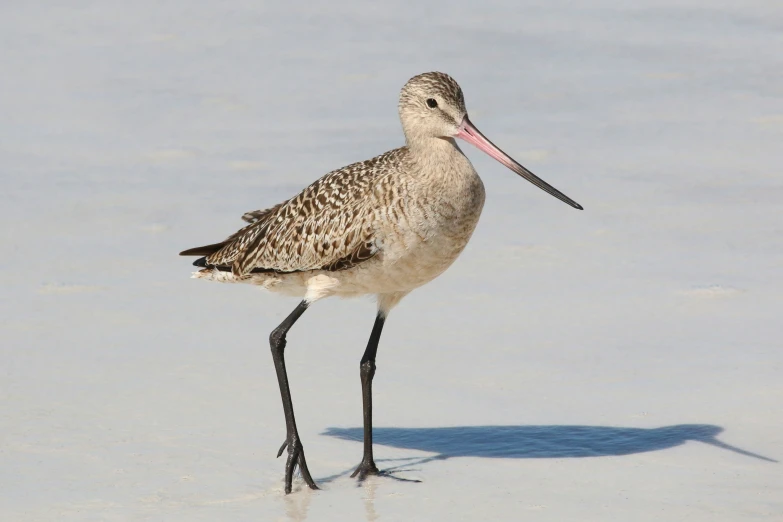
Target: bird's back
pixel 329 225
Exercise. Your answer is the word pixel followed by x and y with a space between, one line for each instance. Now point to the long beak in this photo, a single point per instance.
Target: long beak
pixel 472 135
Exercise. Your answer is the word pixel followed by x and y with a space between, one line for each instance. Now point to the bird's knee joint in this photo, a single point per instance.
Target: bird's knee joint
pixel 277 340
pixel 367 368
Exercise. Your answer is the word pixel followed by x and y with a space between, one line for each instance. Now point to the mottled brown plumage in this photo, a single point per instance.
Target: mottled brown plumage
pixel 327 226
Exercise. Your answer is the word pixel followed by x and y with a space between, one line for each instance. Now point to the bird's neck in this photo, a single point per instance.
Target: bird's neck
pixel 446 182
pixel 434 151
pixel 440 165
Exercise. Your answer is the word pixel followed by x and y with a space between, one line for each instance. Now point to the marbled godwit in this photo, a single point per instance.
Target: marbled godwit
pixel 384 226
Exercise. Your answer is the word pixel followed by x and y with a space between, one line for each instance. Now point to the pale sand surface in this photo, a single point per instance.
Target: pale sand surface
pixel 621 363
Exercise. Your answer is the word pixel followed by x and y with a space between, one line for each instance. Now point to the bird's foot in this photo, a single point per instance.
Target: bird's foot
pixel 367 467
pixel 296 457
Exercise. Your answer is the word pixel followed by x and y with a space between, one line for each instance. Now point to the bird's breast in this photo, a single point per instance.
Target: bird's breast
pixel 452 201
pixel 431 225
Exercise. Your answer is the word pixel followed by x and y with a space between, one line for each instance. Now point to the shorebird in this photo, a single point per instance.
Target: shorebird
pixel 383 226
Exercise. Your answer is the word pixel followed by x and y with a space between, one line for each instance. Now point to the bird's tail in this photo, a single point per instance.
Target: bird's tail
pixel 205 250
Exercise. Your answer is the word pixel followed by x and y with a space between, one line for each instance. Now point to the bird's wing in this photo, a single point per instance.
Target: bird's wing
pixel 330 225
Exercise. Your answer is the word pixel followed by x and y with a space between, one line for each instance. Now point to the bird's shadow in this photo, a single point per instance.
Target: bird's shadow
pixel 541 442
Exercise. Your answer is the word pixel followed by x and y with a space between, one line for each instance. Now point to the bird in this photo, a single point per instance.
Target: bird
pixel 381 227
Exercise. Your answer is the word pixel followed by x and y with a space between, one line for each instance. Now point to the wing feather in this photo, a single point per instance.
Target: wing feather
pixel 259 215
pixel 330 225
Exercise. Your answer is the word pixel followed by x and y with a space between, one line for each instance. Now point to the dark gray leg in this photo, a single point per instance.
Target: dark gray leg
pixel 367 372
pixel 295 449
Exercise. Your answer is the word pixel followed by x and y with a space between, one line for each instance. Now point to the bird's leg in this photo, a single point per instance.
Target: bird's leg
pixel 366 372
pixel 295 449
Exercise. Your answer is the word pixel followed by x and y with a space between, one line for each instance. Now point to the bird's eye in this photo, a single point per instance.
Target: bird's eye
pixel 432 103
